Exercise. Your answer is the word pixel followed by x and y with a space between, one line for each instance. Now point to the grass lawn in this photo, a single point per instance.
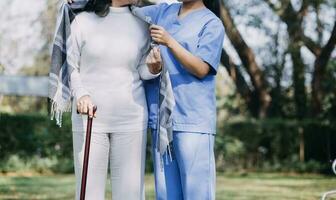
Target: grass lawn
pixel 229 187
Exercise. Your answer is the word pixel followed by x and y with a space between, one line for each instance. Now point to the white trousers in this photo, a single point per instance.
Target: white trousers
pixel 126 153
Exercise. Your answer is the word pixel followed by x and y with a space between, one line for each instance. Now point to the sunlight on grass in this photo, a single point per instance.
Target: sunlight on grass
pixel 229 187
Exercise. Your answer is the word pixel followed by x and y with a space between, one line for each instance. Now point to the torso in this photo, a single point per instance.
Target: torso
pixel 111 51
pixel 195 108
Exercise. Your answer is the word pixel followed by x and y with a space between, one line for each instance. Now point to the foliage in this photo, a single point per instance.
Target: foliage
pixel 274 145
pixel 33 142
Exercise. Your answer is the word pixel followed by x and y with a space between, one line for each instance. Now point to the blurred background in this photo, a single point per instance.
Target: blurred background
pixel 276 92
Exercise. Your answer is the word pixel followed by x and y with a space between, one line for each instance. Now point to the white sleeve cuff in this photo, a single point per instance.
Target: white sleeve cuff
pixel 80 92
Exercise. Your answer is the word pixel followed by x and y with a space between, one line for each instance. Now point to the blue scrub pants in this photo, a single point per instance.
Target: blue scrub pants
pixel 192 173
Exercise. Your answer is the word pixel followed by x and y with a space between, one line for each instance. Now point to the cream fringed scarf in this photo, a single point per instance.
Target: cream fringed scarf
pixel 61 59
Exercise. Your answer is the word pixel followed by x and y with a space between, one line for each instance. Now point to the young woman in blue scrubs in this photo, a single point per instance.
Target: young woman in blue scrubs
pixel 191 39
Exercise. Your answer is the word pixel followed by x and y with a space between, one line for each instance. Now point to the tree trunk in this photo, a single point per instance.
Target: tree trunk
pixel 242 87
pixel 302 145
pixel 321 63
pixel 300 96
pixel 249 62
pixel 294 21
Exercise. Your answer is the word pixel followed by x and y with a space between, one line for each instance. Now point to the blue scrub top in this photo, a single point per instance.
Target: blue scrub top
pixel 201 32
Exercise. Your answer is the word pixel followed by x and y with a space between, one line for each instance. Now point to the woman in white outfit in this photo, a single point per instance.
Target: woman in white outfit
pixel 112 49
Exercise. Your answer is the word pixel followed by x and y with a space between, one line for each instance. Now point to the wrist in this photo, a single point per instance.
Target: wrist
pixel 170 42
pixel 81 92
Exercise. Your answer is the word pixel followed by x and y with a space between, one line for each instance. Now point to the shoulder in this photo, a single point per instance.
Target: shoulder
pixel 154 11
pixel 170 7
pixel 141 23
pixel 212 21
pixel 166 5
pixel 84 20
pixel 85 16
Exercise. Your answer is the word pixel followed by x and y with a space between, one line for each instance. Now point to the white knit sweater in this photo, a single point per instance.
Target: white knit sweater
pixel 111 53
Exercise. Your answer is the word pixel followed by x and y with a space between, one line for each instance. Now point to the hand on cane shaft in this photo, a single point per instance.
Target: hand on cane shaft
pixel 86 107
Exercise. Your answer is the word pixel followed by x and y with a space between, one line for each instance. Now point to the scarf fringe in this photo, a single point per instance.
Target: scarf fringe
pixel 168 158
pixel 60 103
pixel 59 92
pixel 57 110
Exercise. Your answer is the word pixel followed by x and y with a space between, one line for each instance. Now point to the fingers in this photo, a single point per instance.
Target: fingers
pixel 85 106
pixel 80 106
pixel 157 38
pixel 154 31
pixel 157 33
pixel 90 108
pixel 154 56
pixel 154 61
pixel 155 27
pixel 150 58
pixel 157 55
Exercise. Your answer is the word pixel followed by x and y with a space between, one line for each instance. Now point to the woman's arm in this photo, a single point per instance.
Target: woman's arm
pixel 205 59
pixel 82 96
pixel 193 64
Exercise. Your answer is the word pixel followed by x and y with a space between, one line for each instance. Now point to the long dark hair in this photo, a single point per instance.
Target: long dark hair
pixel 100 7
pixel 213 5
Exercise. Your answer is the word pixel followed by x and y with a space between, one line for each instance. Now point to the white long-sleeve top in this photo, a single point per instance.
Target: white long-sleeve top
pixel 110 66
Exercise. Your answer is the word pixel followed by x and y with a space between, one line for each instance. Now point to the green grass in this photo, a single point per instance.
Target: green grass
pixel 229 187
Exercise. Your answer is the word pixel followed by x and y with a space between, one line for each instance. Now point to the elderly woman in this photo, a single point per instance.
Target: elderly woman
pixel 111 60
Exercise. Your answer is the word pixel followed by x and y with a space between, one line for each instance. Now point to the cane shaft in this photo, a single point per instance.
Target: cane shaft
pixel 86 156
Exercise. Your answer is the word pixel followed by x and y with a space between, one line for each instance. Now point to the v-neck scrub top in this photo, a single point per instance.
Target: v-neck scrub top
pixel 201 32
pixel 110 58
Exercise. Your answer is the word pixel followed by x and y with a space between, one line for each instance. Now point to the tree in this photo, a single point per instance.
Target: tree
pixel 323 55
pixel 294 20
pixel 294 15
pixel 248 59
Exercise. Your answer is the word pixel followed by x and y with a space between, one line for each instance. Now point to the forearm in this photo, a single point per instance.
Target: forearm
pixel 77 87
pixel 191 63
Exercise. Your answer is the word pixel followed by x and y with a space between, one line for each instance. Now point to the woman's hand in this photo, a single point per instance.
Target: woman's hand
pixel 190 62
pixel 160 35
pixel 154 61
pixel 70 1
pixel 85 106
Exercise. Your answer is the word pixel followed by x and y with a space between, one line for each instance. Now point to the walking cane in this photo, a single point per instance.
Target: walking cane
pixel 86 154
